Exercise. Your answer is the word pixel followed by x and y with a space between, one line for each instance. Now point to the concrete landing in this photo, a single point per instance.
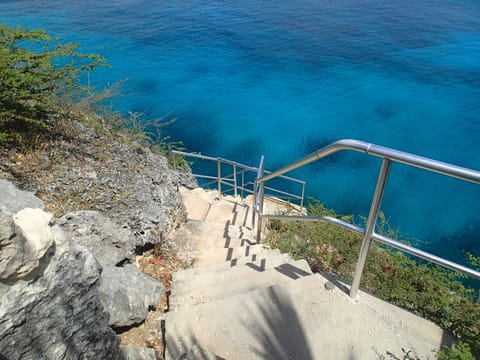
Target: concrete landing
pixel 300 320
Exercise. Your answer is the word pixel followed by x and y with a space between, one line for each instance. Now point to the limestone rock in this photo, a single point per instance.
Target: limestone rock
pixel 24 239
pixel 109 242
pixel 55 312
pixel 14 200
pixel 137 353
pixel 127 294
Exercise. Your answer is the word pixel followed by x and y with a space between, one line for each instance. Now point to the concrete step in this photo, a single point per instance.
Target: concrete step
pixel 196 202
pixel 233 285
pixel 226 274
pixel 219 255
pixel 207 235
pixel 232 210
pixel 214 274
pixel 207 205
pixel 261 260
pixel 300 320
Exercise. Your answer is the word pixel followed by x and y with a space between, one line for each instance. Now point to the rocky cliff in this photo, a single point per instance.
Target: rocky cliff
pixel 66 281
pixel 50 307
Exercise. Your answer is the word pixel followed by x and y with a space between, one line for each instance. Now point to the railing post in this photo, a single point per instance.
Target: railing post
pixel 254 203
pixel 371 222
pixel 303 196
pixel 261 197
pixel 256 193
pixel 235 180
pixel 219 177
pixel 243 182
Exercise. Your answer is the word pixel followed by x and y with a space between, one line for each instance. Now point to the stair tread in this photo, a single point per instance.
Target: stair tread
pixel 207 235
pixel 186 274
pixel 215 256
pixel 208 278
pixel 231 210
pixel 232 285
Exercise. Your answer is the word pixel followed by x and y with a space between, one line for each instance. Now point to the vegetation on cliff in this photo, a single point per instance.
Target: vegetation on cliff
pixel 57 140
pixel 38 77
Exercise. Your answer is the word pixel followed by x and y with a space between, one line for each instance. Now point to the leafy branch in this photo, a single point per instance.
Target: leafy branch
pixel 35 69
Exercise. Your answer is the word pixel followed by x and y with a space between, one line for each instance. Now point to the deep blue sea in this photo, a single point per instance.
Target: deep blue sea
pixel 284 78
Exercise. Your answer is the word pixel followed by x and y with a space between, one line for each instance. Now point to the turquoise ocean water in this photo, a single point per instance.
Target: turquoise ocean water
pixel 285 78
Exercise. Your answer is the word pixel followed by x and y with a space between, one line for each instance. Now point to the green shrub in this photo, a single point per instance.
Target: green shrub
pixel 459 351
pixel 35 69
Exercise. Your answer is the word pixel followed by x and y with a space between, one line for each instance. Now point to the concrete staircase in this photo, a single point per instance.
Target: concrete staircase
pixel 242 300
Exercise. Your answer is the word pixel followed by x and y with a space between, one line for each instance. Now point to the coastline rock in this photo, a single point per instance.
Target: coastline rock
pixel 134 188
pixel 107 241
pixel 24 240
pixel 125 181
pixel 14 199
pixel 127 294
pixel 137 353
pixel 55 312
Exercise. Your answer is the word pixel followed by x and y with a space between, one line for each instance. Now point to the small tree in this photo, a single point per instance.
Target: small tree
pixel 34 69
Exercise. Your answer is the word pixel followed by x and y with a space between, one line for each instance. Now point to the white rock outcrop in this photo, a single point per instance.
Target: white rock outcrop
pixel 24 240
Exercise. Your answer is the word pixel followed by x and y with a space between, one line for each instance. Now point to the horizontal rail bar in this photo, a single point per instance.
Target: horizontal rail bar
pixel 383 240
pixel 288 178
pixel 426 256
pixel 230 162
pixel 204 157
pixel 205 176
pixel 382 152
pixel 198 156
pixel 283 192
pixel 328 219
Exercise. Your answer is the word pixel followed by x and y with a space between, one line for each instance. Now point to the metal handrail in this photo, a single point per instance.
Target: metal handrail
pixel 382 152
pixel 388 155
pixel 231 179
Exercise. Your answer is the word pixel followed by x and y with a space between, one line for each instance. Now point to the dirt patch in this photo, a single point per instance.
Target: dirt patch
pixel 159 264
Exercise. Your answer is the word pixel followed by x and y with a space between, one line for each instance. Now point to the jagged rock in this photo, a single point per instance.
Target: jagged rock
pixel 127 294
pixel 55 312
pixel 109 242
pixel 14 200
pixel 24 240
pixel 138 353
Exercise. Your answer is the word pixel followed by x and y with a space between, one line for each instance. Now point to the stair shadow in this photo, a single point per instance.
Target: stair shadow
pixel 278 329
pixel 234 262
pixel 242 221
pixel 337 281
pixel 226 236
pixel 291 271
pixel 256 267
pixel 228 239
pixel 190 350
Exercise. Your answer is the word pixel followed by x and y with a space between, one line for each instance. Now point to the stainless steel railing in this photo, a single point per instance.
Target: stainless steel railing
pixel 388 155
pixel 236 180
